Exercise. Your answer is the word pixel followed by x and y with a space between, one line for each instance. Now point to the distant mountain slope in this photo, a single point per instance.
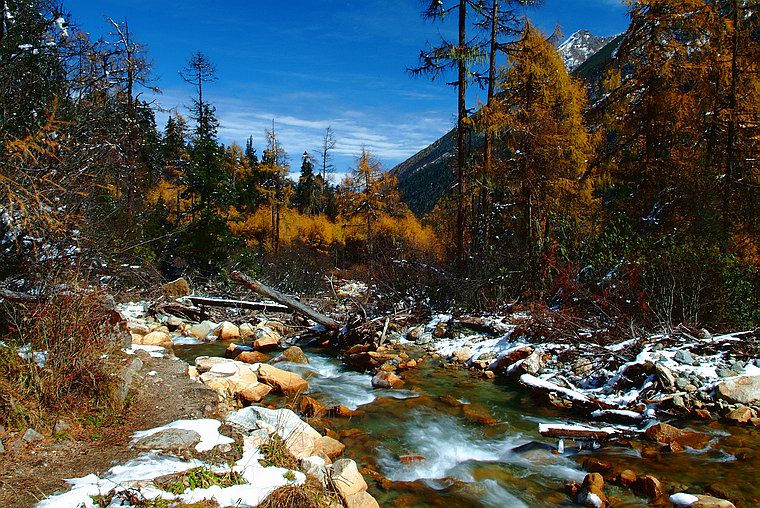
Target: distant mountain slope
pixel 580 46
pixel 427 175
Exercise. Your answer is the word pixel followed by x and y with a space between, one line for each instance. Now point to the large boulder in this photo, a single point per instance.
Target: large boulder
pixel 462 355
pixel 176 288
pixel 740 390
pixel 385 379
pixel 203 329
pixel 591 493
pixel 347 478
pixel 227 331
pixel 254 393
pixel 266 339
pixel 230 378
pixel 668 434
pixel 300 439
pixel 284 382
pixel 253 357
pixel 169 440
pixel 157 338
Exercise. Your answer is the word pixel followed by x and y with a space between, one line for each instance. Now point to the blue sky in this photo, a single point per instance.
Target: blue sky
pixel 308 64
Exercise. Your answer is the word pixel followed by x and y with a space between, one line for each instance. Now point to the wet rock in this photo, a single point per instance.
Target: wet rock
pixel 253 357
pixel 202 329
pixel 411 459
pixel 478 413
pixel 311 407
pixel 228 378
pixel 704 501
pixel 462 355
pixel 255 393
pixel 703 414
pixel 649 486
pixel 295 354
pixel 342 411
pixel 510 357
pixel 726 373
pixel 31 435
pixel 665 376
pixel 332 447
pixel 284 382
pixel 385 379
pixel 227 331
pixel 591 492
pixel 266 339
pixel 666 434
pixel 246 331
pixel 740 415
pixel 347 479
pixel 157 338
pixel 176 288
pixel 594 465
pixel 169 440
pixel 684 357
pixel 626 478
pixel 583 367
pixel 740 390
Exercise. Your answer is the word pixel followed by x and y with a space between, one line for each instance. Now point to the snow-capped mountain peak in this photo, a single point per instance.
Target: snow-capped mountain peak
pixel 580 46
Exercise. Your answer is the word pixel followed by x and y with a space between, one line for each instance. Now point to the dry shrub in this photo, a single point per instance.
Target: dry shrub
pixel 309 495
pixel 68 341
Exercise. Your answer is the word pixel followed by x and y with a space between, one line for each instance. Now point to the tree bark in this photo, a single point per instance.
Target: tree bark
pixel 289 302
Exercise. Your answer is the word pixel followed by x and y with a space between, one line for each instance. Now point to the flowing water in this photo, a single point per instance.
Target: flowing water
pixel 430 447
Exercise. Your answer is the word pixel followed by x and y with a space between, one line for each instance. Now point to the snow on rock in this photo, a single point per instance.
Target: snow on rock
pixel 207 428
pixel 683 500
pixel 542 384
pixel 153 351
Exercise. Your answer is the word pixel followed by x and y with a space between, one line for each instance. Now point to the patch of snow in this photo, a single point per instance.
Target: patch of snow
pixel 534 382
pixel 683 500
pixel 132 310
pixel 207 428
pixel 154 351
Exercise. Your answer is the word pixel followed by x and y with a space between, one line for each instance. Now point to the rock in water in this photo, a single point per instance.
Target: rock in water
pixel 176 288
pixel 385 379
pixel 227 331
pixel 649 486
pixel 332 447
pixel 668 434
pixel 157 338
pixel 741 414
pixel 311 407
pixel 740 390
pixel 253 357
pixel 591 493
pixel 284 382
pixel 295 354
pixel 266 339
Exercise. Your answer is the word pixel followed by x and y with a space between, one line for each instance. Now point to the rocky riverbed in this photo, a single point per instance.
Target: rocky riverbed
pixel 471 411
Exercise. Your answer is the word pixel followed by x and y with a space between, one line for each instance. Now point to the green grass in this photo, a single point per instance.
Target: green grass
pixel 201 478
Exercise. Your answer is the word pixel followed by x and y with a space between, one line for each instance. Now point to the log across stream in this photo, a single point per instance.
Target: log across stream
pixel 429 451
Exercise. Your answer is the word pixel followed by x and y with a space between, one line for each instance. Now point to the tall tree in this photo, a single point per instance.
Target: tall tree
pixel 199 70
pixel 308 191
pixel 547 143
pixel 274 168
pixel 435 61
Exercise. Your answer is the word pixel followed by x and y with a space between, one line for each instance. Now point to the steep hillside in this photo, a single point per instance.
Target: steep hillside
pixel 425 177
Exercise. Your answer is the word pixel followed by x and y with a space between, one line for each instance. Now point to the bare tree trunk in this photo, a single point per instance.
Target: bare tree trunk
pixel 278 297
pixel 461 116
pixel 731 140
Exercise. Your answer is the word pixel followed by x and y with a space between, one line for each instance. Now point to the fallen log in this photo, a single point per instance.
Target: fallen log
pixel 178 310
pixel 576 397
pixel 291 303
pixel 237 304
pixel 581 432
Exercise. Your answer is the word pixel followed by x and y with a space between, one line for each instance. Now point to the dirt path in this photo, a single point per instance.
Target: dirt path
pixel 40 469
